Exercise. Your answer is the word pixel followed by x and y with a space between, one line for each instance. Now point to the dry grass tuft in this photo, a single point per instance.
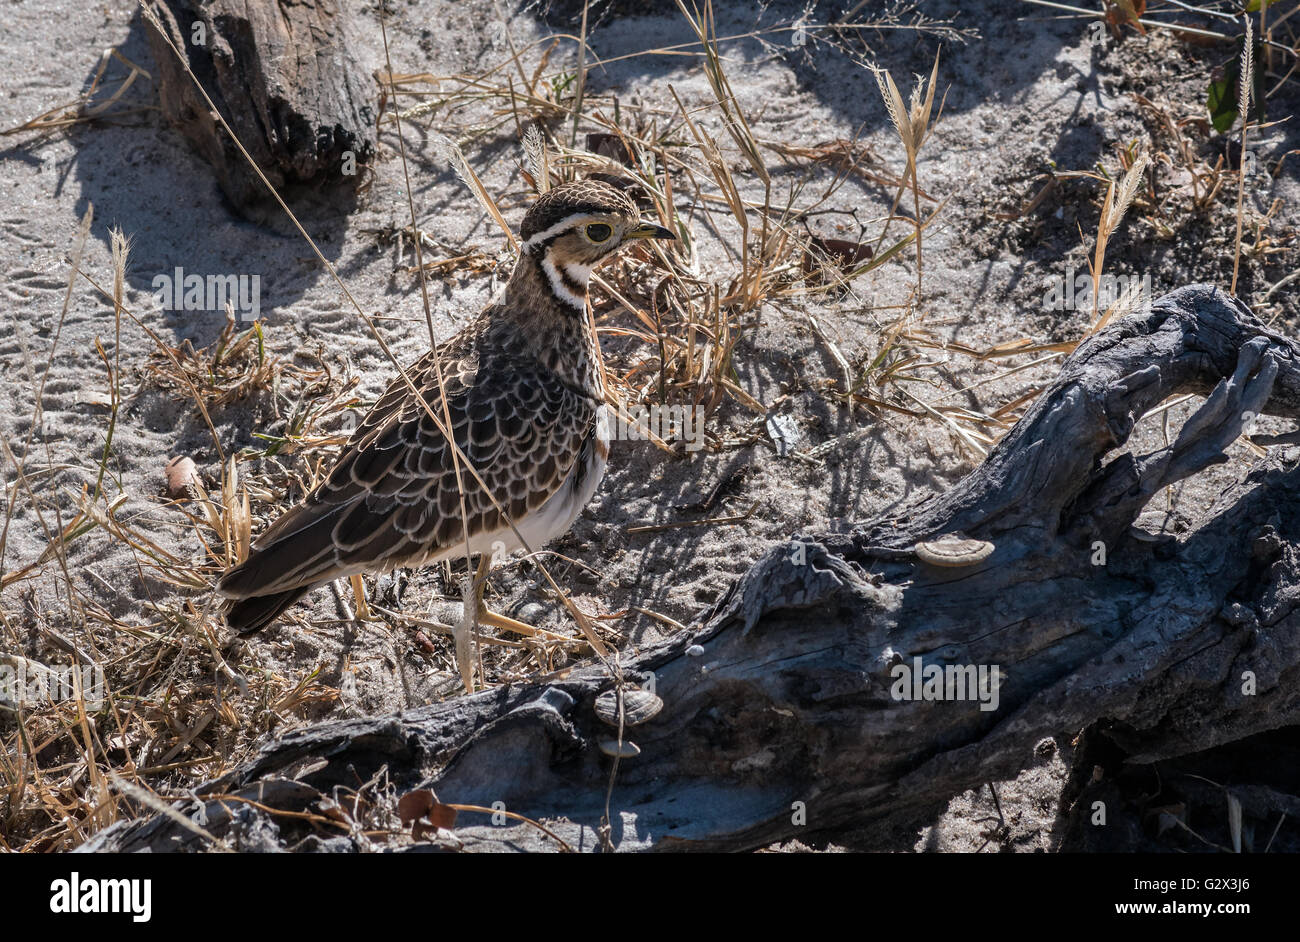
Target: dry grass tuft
pixel 913 126
pixel 94 104
pixel 1113 208
pixel 1244 83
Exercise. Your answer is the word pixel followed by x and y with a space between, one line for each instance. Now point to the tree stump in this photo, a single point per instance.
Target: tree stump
pixel 782 710
pixel 283 76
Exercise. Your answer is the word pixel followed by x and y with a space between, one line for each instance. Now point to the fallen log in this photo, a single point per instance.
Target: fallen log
pixel 788 710
pixel 285 79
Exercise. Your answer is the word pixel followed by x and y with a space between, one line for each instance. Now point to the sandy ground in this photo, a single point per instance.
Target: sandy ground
pixel 1025 93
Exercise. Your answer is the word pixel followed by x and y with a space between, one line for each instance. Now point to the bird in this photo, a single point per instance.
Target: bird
pixel 519 387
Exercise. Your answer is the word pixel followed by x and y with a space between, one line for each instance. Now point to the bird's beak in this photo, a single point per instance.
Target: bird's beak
pixel 648 231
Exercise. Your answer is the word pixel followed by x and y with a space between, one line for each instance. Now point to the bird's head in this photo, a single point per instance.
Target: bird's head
pixel 575 226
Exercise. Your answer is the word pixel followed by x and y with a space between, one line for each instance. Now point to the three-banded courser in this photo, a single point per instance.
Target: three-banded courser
pixel 522 387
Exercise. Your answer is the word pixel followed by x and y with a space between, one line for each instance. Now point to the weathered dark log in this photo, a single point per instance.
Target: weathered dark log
pixel 779 699
pixel 283 76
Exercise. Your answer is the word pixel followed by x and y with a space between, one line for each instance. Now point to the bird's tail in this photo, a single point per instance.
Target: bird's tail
pixel 250 615
pixel 290 559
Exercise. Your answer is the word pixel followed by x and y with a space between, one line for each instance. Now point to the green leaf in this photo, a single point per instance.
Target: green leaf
pixel 1223 93
pixel 1222 102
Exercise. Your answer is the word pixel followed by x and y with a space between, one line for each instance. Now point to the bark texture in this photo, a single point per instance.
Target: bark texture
pixel 284 77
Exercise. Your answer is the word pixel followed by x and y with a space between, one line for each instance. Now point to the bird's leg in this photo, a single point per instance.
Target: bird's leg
pixel 359 593
pixel 471 596
pixel 488 617
pixel 480 580
pixel 505 622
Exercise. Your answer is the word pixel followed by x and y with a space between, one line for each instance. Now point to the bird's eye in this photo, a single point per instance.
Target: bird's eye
pixel 599 232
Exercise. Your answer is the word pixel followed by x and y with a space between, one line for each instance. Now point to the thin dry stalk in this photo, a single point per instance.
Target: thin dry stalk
pixel 1114 206
pixel 912 123
pixel 84 108
pixel 1244 81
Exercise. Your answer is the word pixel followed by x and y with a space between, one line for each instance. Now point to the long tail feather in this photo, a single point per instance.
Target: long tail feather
pixel 251 615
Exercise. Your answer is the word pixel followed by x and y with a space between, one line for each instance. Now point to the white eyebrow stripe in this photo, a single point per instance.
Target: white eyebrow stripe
pixel 555 230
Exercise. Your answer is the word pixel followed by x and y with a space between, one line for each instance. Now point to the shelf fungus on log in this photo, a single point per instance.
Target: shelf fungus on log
pixel 953 552
pixel 639 706
pixel 619 750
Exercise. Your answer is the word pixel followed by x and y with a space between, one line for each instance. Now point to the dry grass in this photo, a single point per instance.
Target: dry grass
pixel 1243 109
pixel 96 103
pixel 1118 199
pixel 912 122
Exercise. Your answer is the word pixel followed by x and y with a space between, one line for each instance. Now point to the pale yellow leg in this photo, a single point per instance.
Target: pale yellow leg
pixel 359 594
pixel 488 617
pixel 463 633
pixel 505 622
